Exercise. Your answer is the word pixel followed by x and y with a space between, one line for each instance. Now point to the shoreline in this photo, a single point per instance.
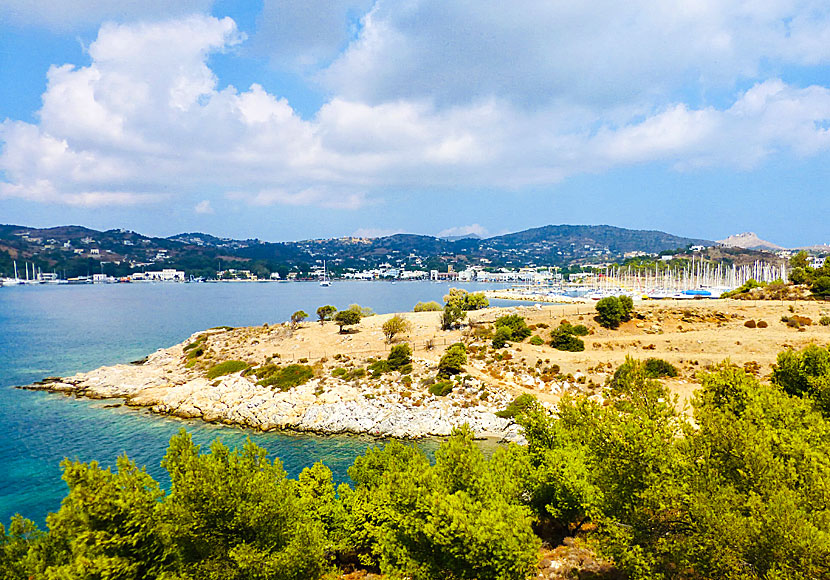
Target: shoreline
pixel 343 397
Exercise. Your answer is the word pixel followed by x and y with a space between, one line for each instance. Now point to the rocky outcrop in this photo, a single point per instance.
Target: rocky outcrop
pixel 382 408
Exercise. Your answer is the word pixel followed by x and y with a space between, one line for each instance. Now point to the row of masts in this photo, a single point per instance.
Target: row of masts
pixel 695 275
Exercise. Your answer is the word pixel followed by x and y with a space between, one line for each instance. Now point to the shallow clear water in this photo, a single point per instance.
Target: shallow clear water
pixel 61 330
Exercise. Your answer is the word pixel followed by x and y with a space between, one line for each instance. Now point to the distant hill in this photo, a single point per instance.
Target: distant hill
pixel 749 241
pixel 76 250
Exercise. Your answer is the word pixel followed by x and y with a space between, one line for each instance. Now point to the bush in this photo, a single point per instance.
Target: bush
pixel 453 360
pixel 536 340
pixel 656 368
pixel 502 337
pixel 452 316
pixel 298 317
pixel 226 368
pixel 563 338
pixel 610 312
pixel 518 406
pixel 394 326
pixel 517 325
pixel 400 357
pixel 284 378
pixel 441 388
pixel 466 300
pixel 824 320
pixel 427 307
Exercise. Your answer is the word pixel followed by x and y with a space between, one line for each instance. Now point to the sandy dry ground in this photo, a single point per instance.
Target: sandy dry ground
pixel 691 334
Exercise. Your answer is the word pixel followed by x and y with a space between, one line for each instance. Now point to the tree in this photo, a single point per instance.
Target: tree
pixel 627 307
pixel 400 358
pixel 563 338
pixel 297 318
pixel 611 311
pixel 396 325
pixel 453 361
pixel 234 514
pixel 516 324
pixel 800 260
pixel 821 286
pixel 451 316
pixel 502 337
pixel 427 307
pixel 465 300
pixel 325 312
pixel 347 318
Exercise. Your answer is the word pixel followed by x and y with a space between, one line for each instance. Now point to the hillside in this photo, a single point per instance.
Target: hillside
pixel 79 251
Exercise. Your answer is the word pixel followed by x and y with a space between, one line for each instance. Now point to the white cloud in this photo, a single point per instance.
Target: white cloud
pixel 69 14
pixel 604 55
pixel 146 120
pixel 474 229
pixel 204 207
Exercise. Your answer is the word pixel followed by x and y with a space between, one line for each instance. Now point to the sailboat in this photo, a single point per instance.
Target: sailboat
pixel 12 281
pixel 324 280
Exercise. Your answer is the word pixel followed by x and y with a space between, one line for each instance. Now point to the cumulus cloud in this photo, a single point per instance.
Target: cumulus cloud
pixel 603 55
pixel 204 207
pixel 147 119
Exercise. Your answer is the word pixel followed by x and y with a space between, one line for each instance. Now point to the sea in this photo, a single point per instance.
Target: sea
pixel 58 330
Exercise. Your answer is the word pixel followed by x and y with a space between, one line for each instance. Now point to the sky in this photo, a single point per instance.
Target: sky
pixel 285 120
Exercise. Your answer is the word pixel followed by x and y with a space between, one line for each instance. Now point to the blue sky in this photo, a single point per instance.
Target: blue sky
pixel 299 119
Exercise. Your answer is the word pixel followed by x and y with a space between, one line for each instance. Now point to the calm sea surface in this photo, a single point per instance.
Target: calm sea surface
pixel 61 330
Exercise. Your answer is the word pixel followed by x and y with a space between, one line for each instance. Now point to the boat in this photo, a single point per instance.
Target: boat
pixel 325 280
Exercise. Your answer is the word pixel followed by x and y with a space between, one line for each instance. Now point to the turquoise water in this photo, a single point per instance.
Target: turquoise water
pixel 61 330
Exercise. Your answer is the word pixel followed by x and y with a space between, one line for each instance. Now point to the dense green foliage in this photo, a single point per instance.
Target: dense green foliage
pixel 325 313
pixel 818 279
pixel 225 368
pixel 517 406
pixel 346 318
pixel 466 300
pixel 283 378
pixel 298 317
pixel 510 328
pixel 399 359
pixel 805 374
pixel 394 326
pixel 427 307
pixel 452 316
pixel 453 360
pixel 740 490
pixel 612 310
pixel 563 337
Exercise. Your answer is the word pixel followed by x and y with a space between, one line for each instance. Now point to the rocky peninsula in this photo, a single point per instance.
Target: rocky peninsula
pixel 341 393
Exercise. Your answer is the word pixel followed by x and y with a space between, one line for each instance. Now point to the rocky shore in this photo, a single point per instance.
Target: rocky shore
pixel 386 407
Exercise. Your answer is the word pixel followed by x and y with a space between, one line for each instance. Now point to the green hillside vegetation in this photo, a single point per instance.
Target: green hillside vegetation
pixel 738 490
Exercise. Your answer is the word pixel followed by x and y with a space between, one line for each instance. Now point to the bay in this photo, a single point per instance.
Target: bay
pixel 61 330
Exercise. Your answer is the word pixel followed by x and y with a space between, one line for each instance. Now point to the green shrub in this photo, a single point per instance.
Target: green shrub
pixel 609 312
pixel 338 372
pixel 453 360
pixel 824 320
pixel 283 378
pixel 562 338
pixel 516 324
pixel 502 337
pixel 427 307
pixel 441 388
pixel 518 406
pixel 536 340
pixel 226 368
pixel 656 368
pixel 200 340
pixel 400 357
